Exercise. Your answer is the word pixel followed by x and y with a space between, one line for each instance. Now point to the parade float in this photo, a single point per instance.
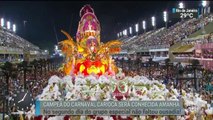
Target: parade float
pixel 88 55
pixel 90 74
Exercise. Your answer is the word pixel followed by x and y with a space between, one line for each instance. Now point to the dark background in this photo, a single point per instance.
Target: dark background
pixel 44 16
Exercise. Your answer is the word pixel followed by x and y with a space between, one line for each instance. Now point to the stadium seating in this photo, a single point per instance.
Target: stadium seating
pixel 165 37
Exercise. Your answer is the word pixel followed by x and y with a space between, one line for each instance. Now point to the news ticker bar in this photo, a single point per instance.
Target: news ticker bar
pixel 109 108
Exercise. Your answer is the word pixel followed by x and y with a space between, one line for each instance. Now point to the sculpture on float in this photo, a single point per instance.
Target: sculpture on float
pixel 88 55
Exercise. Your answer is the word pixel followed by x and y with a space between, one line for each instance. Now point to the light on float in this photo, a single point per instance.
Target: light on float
pixel 118 35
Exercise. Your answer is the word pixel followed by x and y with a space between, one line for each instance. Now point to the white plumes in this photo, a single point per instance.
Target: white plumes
pixel 70 96
pixel 30 113
pixel 175 92
pixel 93 98
pixel 120 74
pixel 173 97
pixel 98 92
pixel 55 88
pixel 47 88
pixel 54 79
pixel 123 117
pixel 67 80
pixel 134 91
pixel 160 97
pixel 135 118
pixel 140 88
pixel 93 80
pixel 112 78
pixel 166 91
pixel 56 118
pixel 131 80
pixel 104 117
pixel 114 98
pixel 79 81
pixel 142 118
pixel 103 79
pixel 109 118
pixel 137 81
pixel 108 96
pixel 145 97
pixel 124 98
pixel 98 87
pixel 180 118
pixel 134 98
pixel 51 91
pixel 137 77
pixel 80 75
pixel 155 88
pixel 83 118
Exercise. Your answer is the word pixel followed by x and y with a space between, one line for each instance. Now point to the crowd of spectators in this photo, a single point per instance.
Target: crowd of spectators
pixel 35 81
pixel 167 37
pixel 132 42
pixel 131 67
pixel 11 40
pixel 205 54
pixel 168 76
pixel 208 38
pixel 13 47
pixel 208 53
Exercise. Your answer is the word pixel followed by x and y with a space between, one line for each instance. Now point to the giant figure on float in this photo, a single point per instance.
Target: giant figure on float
pixel 88 55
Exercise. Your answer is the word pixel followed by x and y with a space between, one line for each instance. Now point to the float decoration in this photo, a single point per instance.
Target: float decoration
pixel 88 55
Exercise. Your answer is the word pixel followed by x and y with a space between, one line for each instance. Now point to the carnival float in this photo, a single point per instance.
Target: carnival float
pixel 91 74
pixel 88 55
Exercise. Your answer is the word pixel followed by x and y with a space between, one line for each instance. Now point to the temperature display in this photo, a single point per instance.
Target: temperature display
pixel 185 13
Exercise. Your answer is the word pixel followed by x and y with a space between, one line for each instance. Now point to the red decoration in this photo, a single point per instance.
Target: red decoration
pixel 97 63
pixel 87 64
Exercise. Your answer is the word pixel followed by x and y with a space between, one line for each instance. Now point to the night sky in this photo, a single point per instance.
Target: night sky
pixel 44 16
